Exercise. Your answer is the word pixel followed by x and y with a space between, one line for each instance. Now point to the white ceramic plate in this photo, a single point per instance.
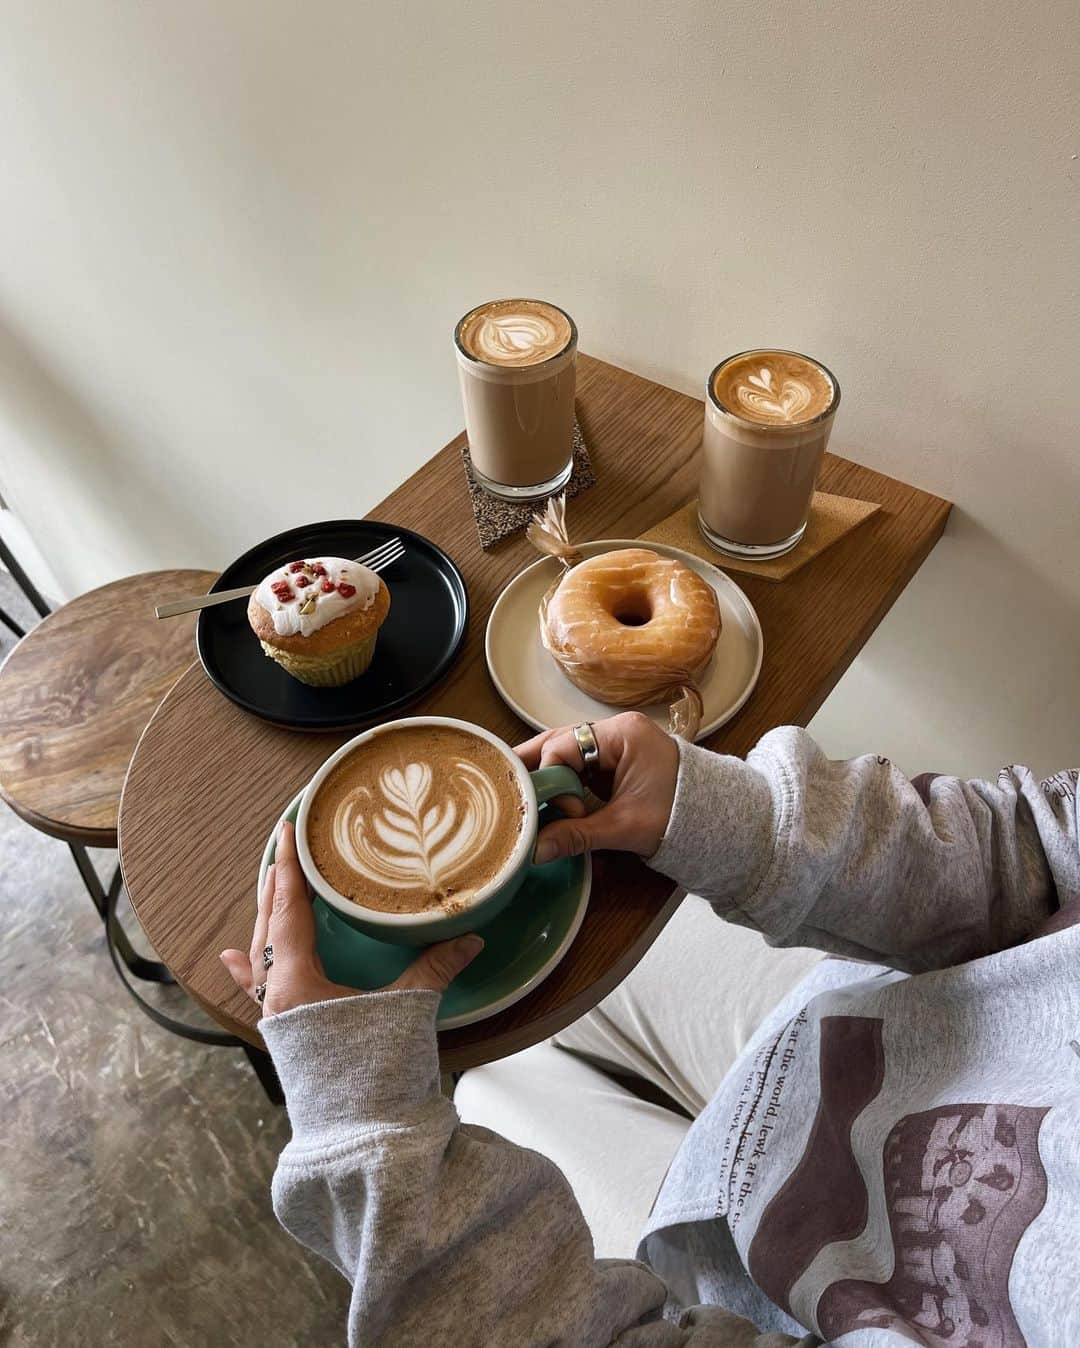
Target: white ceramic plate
pixel 530 681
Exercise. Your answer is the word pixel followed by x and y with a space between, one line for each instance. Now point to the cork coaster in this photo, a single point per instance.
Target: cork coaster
pixel 831 517
pixel 496 520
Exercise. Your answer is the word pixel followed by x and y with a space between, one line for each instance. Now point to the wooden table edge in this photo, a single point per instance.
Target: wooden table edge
pixel 124 790
pixel 944 510
pixel 79 834
pixel 456 1059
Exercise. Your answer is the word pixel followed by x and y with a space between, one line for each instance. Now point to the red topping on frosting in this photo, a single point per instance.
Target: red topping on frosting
pixel 328 586
pixel 301 581
pixel 297 566
pixel 282 591
pixel 346 590
pixel 318 568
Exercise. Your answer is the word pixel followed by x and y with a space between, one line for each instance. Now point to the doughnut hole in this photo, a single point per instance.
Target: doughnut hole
pixel 633 608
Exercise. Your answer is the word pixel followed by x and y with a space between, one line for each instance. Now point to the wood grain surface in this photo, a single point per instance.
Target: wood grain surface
pixel 76 694
pixel 208 782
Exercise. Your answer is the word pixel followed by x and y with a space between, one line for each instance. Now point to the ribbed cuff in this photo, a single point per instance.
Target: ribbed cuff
pixel 720 836
pixel 367 1060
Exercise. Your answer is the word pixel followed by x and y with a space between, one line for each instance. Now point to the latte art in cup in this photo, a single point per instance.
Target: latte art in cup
pixel 416 819
pixel 394 833
pixel 775 388
pixel 514 332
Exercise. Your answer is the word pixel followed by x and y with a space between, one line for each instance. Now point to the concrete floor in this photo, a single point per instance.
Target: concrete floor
pixel 134 1166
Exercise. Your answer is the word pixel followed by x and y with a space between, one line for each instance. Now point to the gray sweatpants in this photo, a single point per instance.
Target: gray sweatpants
pixel 677 1022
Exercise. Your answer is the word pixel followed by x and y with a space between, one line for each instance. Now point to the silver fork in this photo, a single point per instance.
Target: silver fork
pixel 378 559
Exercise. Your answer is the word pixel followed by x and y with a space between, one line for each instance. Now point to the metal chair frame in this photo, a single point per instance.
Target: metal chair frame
pixel 126 960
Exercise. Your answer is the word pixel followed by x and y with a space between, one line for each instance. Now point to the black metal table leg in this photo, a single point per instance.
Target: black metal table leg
pixel 23 581
pixel 115 939
pixel 151 971
pixel 263 1066
pixel 10 623
pixel 129 963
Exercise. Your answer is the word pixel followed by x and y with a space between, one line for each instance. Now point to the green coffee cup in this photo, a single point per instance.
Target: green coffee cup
pixel 434 924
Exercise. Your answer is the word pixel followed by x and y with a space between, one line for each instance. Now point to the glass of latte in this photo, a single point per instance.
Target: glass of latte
pixel 516 363
pixel 423 828
pixel 768 414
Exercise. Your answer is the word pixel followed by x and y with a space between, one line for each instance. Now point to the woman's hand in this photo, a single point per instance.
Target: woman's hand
pixel 636 772
pixel 286 922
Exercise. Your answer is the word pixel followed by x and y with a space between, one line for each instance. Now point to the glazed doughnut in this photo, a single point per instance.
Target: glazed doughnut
pixel 629 626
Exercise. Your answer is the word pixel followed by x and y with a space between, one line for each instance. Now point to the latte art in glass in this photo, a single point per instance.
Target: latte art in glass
pixel 397 833
pixel 768 415
pixel 514 332
pixel 787 402
pixel 416 818
pixel 773 388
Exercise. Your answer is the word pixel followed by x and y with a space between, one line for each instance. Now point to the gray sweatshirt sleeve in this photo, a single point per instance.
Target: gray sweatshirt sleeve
pixel 449 1234
pixel 853 858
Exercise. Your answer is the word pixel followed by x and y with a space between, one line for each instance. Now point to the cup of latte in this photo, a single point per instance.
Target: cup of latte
pixel 517 366
pixel 768 414
pixel 424 828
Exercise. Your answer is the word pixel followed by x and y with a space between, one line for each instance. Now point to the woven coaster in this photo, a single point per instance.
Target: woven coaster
pixel 496 520
pixel 831 517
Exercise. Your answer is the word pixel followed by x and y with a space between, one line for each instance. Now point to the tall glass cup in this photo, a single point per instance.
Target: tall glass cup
pixel 768 414
pixel 517 364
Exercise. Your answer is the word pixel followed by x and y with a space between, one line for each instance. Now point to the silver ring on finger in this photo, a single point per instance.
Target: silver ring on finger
pixel 268 956
pixel 260 992
pixel 585 736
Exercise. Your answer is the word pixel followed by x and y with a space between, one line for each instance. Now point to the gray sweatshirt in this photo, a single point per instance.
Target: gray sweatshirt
pixel 894 1159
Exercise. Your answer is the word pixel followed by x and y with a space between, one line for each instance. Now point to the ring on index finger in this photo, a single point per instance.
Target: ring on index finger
pixel 586 743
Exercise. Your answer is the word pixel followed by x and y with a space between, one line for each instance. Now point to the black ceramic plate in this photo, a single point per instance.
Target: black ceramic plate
pixel 417 642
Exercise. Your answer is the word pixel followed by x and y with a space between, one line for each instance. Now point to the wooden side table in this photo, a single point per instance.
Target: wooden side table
pixel 75 695
pixel 208 781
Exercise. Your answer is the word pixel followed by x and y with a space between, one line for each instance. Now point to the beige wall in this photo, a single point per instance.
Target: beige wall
pixel 234 238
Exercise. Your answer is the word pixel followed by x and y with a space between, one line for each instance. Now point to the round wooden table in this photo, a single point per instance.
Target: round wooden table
pixel 75 695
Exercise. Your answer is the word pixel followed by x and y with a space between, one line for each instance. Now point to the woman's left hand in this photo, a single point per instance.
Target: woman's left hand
pixel 285 925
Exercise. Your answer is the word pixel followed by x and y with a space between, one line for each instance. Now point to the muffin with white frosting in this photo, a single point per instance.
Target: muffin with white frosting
pixel 319 618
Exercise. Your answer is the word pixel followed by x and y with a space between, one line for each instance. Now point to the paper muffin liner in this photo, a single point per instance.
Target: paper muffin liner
pixel 327 671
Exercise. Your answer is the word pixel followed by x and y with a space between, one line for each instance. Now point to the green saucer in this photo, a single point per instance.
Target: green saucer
pixel 522 944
